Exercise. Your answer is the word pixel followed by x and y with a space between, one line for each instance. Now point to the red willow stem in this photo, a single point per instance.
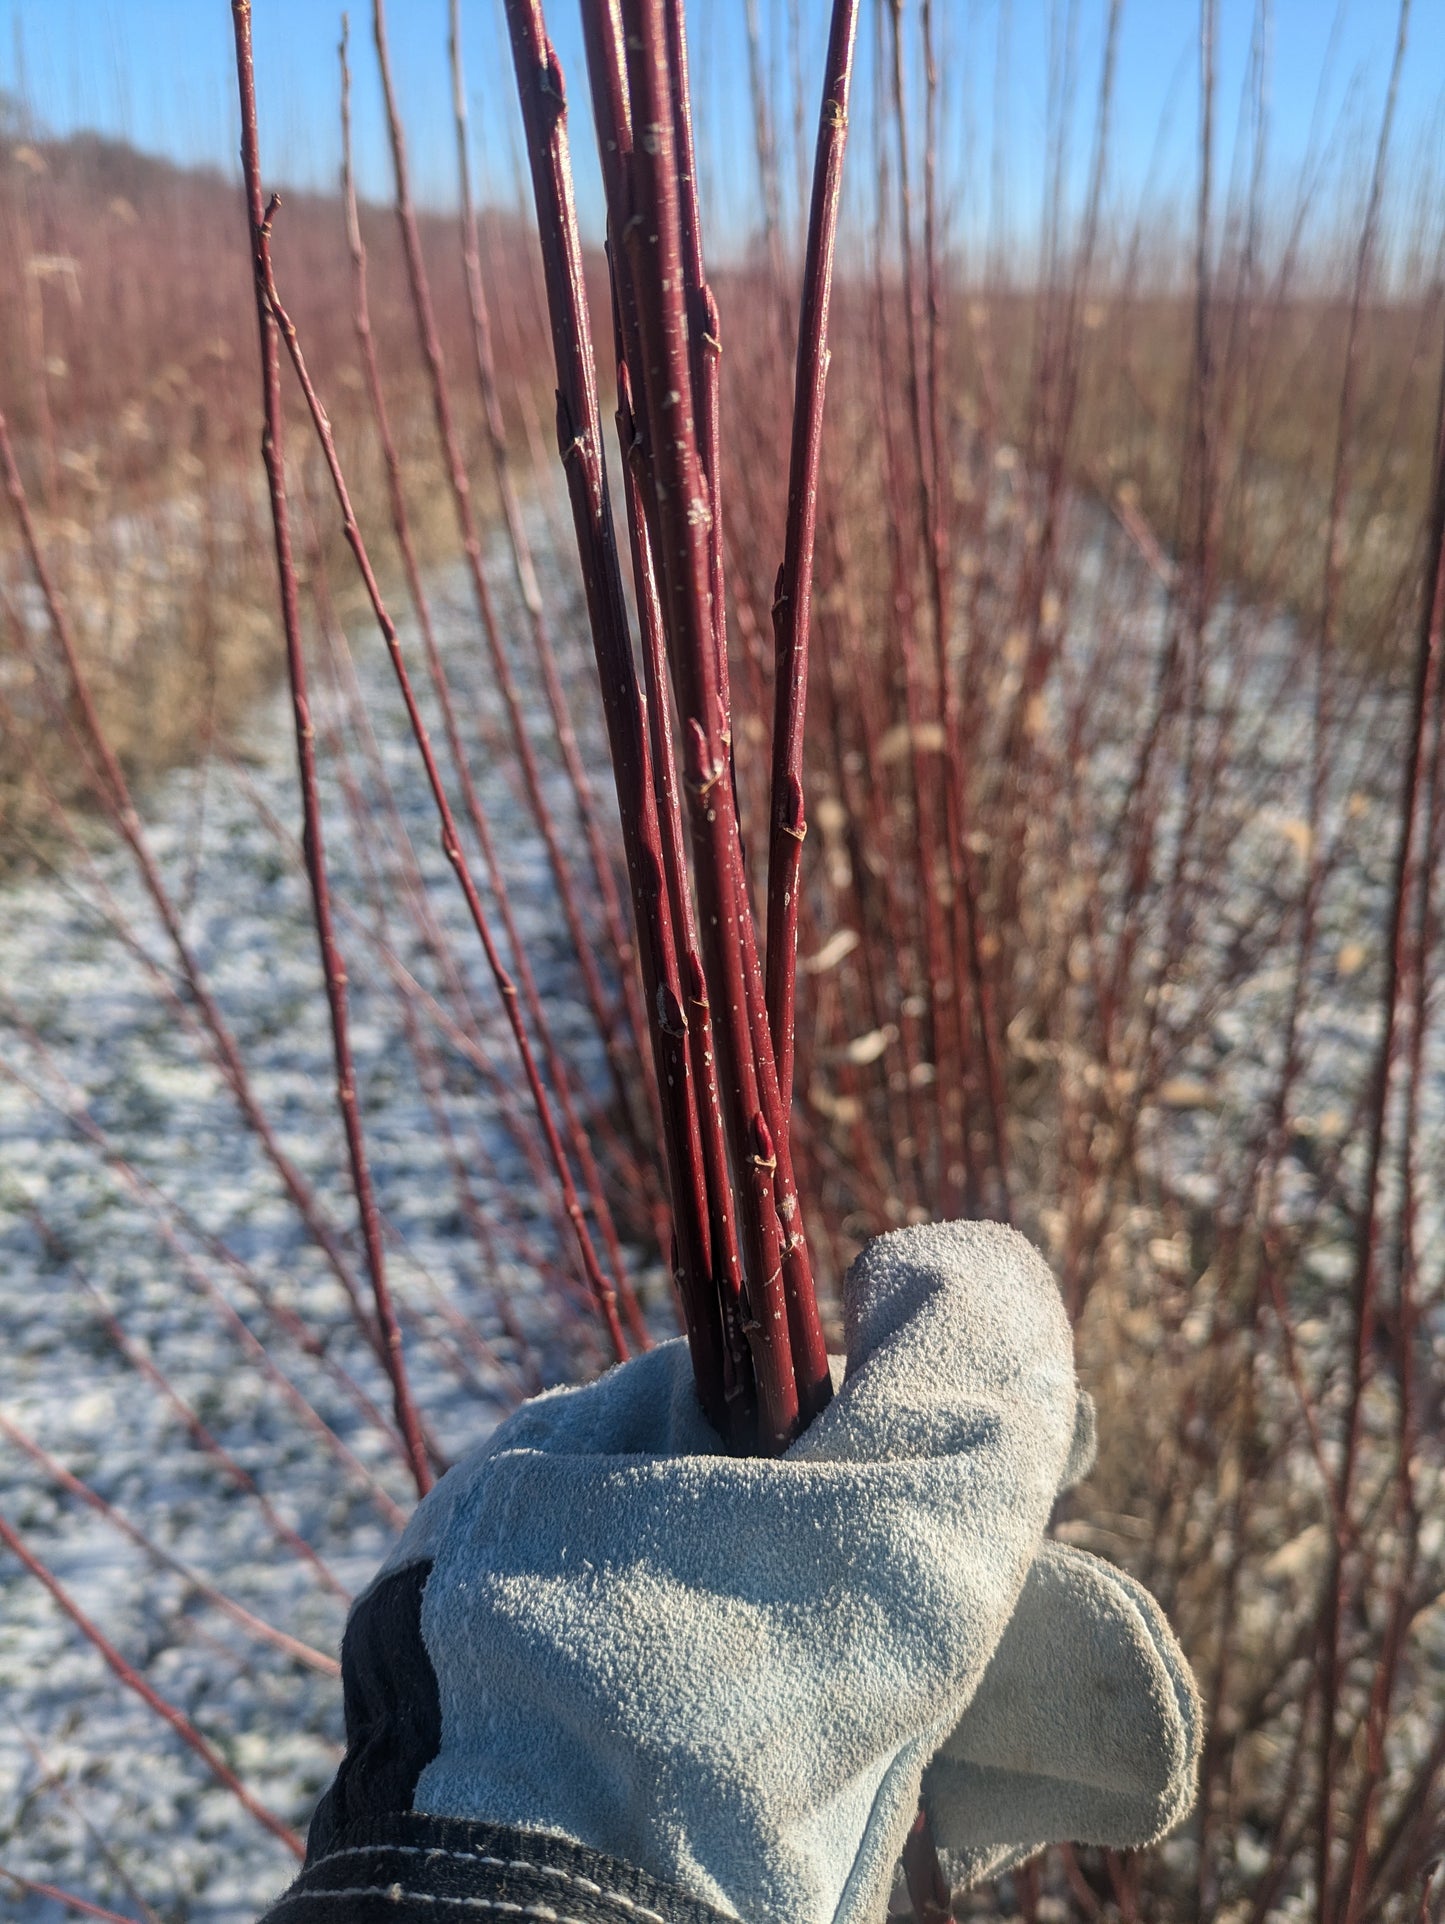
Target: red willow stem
pixel 793 597
pixel 929 1891
pixel 132 1679
pixel 577 1137
pixel 254 1626
pixel 113 793
pixel 667 349
pixel 1323 725
pixel 928 1886
pixel 313 844
pixel 968 936
pixel 1414 1823
pixel 580 437
pixel 705 343
pixel 933 966
pixel 1398 963
pixel 769 1132
pixel 710 1190
pixel 810 1356
pixel 524 566
pixel 968 965
pixel 1365 1282
pixel 805 1333
pixel 583 943
pixel 462 1039
pixel 1427 1885
pixel 464 1043
pixel 542 97
pixel 711 1198
pixel 602 1288
pixel 430 1071
pixel 650 231
pixel 81 1905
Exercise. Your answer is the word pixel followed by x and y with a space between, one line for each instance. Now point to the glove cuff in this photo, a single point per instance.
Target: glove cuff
pixel 406 1865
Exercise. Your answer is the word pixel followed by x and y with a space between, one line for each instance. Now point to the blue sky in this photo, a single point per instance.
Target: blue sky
pixel 159 72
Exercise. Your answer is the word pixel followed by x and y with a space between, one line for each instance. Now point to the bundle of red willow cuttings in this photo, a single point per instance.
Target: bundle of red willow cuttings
pixel 721 1032
pixel 721 1028
pixel 720 1023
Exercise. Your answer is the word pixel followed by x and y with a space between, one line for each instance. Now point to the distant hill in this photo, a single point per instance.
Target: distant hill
pixel 99 166
pixel 121 271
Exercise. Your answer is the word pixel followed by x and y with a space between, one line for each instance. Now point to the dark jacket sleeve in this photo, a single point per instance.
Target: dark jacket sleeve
pixel 407 1868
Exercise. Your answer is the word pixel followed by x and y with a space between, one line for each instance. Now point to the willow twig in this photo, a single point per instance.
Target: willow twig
pixel 238 1613
pixel 521 547
pixel 602 1287
pixel 792 601
pixel 582 940
pixel 333 966
pixel 132 1679
pixel 82 1906
pixel 576 1135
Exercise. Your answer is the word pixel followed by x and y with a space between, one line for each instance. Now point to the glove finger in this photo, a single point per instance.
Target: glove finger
pixel 957 1340
pixel 645 1408
pixel 1086 1726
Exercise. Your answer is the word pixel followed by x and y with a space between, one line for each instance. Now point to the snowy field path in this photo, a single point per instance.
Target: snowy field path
pixel 93 1790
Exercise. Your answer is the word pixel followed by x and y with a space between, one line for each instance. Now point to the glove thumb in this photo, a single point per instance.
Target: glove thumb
pixel 1085 1728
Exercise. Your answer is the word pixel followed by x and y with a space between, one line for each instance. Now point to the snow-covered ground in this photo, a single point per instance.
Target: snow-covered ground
pixel 1251 844
pixel 93 1790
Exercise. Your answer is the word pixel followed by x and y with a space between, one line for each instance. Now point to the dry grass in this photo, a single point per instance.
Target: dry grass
pixel 127 369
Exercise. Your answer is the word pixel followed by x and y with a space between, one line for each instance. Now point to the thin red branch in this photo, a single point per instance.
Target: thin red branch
pixel 602 1287
pixel 582 940
pixel 523 563
pixel 605 1290
pixel 652 237
pixel 579 434
pixel 132 1679
pixel 332 963
pixel 793 598
pixel 238 1613
pixel 82 1906
pixel 1365 1282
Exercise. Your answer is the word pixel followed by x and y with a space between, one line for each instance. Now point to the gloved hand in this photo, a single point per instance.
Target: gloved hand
pixel 733 1674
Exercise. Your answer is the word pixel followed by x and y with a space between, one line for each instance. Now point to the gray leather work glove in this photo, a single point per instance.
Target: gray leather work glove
pixel 736 1674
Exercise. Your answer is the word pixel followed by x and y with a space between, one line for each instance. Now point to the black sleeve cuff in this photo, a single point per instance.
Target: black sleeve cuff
pixel 407 1868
